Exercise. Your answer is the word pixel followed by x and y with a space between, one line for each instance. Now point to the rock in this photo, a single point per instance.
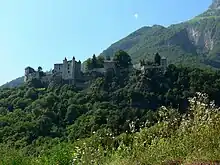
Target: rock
pixel 215 4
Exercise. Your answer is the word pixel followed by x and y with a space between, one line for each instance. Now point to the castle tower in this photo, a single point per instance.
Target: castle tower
pixel 163 63
pixel 29 73
pixel 79 69
pixel 65 69
pixel 73 68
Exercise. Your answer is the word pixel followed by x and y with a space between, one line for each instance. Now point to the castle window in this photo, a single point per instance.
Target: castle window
pixel 68 71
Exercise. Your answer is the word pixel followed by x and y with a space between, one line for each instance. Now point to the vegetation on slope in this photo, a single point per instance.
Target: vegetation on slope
pixel 14 83
pixel 118 120
pixel 174 139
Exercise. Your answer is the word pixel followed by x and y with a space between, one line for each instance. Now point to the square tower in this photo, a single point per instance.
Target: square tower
pixel 163 63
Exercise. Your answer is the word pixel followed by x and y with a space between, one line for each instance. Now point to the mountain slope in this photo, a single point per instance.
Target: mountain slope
pixel 193 42
pixel 14 83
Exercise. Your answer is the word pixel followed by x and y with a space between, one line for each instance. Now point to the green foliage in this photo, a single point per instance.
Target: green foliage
pixel 39 69
pixel 122 59
pixel 94 62
pixel 174 138
pixel 36 83
pixel 157 59
pixel 118 119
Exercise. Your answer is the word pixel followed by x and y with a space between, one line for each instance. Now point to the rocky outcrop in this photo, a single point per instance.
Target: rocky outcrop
pixel 215 4
pixel 201 39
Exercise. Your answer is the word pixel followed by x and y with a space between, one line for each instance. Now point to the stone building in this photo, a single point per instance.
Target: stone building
pixel 163 64
pixel 109 65
pixel 69 70
pixel 162 67
pixel 30 73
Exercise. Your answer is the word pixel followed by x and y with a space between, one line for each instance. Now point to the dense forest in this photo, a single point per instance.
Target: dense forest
pixel 114 121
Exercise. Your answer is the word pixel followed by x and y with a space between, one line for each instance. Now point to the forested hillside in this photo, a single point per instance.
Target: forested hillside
pixel 131 118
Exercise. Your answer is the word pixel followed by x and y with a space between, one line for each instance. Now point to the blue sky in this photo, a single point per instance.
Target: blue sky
pixel 43 32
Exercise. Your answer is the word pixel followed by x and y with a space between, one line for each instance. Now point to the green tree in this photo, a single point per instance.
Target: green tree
pixel 39 69
pixel 36 83
pixel 88 64
pixel 31 93
pixel 94 61
pixel 100 62
pixel 122 59
pixel 72 113
pixel 157 58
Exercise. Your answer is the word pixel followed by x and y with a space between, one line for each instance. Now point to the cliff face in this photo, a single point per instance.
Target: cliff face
pixel 204 34
pixel 215 4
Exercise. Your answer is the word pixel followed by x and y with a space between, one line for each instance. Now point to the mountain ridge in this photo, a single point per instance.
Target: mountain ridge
pixel 193 40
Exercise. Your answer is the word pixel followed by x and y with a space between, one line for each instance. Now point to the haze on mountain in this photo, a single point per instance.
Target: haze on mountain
pixel 193 42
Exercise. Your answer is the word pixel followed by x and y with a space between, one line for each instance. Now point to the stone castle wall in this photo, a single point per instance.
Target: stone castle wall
pixel 71 71
pixel 162 67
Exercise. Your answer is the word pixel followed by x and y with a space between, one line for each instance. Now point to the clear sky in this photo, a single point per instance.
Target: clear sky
pixel 42 32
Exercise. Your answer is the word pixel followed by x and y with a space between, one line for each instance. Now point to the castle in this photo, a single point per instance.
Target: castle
pixel 70 71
